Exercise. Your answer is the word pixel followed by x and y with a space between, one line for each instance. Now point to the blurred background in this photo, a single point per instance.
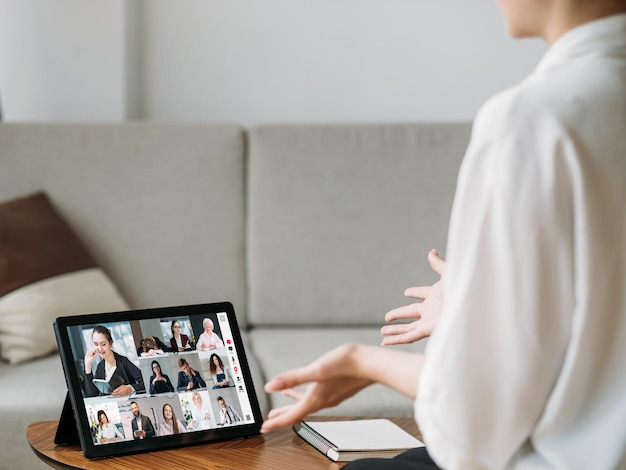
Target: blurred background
pixel 255 61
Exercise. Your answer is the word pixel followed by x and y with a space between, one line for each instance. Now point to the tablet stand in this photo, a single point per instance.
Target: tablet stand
pixel 67 430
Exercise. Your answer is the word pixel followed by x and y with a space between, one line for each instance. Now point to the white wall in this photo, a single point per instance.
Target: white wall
pixel 254 61
pixel 326 60
pixel 62 60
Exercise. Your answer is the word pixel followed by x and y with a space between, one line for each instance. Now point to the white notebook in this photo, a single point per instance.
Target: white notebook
pixel 357 439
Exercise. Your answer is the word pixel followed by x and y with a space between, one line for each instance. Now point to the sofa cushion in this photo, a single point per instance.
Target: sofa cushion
pixel 23 402
pixel 342 217
pixel 159 206
pixel 45 272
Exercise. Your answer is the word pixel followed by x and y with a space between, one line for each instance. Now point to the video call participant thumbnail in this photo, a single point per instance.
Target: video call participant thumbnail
pixel 112 364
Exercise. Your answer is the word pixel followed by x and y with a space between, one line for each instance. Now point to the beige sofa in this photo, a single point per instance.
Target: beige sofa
pixel 312 232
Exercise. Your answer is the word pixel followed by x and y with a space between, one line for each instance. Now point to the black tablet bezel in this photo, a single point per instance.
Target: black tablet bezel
pixel 125 447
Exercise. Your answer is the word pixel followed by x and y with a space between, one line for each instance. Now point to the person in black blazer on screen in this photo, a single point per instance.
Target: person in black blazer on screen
pixel 113 367
pixel 141 424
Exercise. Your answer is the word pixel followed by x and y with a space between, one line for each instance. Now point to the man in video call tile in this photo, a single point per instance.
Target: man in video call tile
pixel 228 413
pixel 188 378
pixel 141 424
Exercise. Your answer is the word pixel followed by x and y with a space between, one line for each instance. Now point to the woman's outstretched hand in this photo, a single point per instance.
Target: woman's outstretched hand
pixel 427 312
pixel 338 375
pixel 330 380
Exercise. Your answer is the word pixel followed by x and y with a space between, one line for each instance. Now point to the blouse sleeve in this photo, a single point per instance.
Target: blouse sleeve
pixel 496 354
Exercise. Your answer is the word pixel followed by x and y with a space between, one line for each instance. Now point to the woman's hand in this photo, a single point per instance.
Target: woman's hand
pixel 338 375
pixel 427 312
pixel 89 357
pixel 331 379
pixel 122 391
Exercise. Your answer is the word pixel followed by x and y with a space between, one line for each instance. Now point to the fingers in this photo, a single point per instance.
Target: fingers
pixel 276 412
pixel 436 262
pixel 290 379
pixel 286 415
pixel 281 417
pixel 293 393
pixel 417 292
pixel 403 334
pixel 401 313
pixel 393 330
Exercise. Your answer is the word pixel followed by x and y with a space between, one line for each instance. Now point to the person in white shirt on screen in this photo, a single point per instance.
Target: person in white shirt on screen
pixel 228 413
pixel 208 339
pixel 525 364
pixel 107 431
pixel 200 414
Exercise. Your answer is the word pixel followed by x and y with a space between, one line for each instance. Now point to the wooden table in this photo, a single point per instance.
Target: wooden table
pixel 280 449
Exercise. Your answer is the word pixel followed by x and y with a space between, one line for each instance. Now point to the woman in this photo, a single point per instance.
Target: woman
pixel 159 382
pixel 208 339
pixel 170 424
pixel 107 432
pixel 149 347
pixel 524 368
pixel 218 372
pixel 201 415
pixel 179 342
pixel 123 376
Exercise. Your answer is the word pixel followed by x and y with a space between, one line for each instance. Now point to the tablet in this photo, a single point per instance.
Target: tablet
pixel 145 380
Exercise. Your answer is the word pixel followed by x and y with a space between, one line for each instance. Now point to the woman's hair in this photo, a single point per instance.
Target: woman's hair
pixel 194 394
pixel 209 321
pixel 101 413
pixel 149 343
pixel 103 330
pixel 212 367
pixel 174 420
pixel 182 361
pixel 172 326
pixel 157 363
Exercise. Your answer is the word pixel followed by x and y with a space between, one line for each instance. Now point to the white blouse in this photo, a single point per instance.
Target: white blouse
pixel 527 368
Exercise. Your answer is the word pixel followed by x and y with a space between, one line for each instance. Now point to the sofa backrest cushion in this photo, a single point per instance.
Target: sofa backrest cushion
pixel 341 217
pixel 160 207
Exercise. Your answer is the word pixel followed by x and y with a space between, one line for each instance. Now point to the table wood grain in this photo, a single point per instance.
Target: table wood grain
pixel 280 449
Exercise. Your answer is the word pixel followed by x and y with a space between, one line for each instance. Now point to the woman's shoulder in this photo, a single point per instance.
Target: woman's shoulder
pixel 119 358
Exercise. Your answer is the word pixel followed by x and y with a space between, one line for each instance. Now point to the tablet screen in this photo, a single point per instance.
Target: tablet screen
pixel 151 379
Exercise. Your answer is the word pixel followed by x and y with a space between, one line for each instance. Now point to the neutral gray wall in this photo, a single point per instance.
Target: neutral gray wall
pixel 255 61
pixel 62 60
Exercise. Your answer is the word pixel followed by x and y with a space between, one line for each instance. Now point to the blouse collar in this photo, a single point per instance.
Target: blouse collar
pixel 599 37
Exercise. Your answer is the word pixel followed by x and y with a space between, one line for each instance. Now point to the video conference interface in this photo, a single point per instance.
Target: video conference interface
pixel 157 377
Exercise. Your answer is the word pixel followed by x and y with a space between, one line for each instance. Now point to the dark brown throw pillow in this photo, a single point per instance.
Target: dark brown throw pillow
pixel 36 243
pixel 45 273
